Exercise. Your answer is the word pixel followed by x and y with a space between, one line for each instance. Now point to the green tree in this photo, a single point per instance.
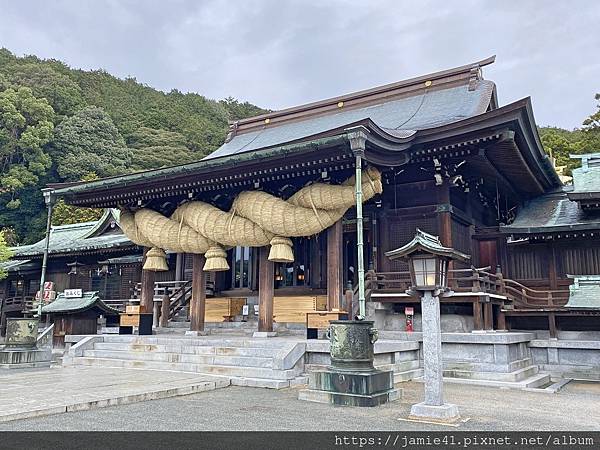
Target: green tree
pixel 593 121
pixel 153 148
pixel 237 110
pixel 5 254
pixel 25 128
pixel 64 214
pixel 89 142
pixel 63 94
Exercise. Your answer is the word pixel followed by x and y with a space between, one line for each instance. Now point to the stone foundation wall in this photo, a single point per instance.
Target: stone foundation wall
pixel 397 356
pixel 567 359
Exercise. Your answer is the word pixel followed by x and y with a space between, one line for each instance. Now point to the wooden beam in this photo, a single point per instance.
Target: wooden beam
pixel 265 291
pixel 147 289
pixel 198 301
pixel 334 266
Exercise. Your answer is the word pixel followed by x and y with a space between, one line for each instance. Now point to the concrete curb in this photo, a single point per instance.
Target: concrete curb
pixel 193 388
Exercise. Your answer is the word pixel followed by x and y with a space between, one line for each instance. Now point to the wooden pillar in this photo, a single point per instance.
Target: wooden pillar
pixel 179 266
pixel 334 266
pixel 198 301
pixel 384 244
pixel 477 321
pixel 445 218
pixel 552 325
pixel 501 319
pixel 164 311
pixel 147 289
pixel 488 316
pixel 552 275
pixel 265 291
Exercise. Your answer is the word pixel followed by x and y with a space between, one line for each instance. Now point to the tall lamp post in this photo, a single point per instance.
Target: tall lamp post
pixel 428 264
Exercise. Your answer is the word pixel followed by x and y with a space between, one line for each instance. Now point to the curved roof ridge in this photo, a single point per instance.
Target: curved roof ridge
pixel 471 70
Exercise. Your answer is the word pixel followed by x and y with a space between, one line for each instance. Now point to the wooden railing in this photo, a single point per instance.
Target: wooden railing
pixel 459 280
pixel 527 298
pixel 470 280
pixel 21 304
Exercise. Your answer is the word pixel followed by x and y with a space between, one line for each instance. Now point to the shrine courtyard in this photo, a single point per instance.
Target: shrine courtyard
pixel 573 408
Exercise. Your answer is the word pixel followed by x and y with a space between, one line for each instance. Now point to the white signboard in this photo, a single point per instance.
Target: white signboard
pixel 245 310
pixel 73 293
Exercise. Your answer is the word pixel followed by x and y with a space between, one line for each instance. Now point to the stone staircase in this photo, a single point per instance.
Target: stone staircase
pixel 272 363
pixel 232 328
pixel 524 376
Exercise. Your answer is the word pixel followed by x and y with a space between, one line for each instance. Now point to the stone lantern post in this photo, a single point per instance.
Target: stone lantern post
pixel 428 264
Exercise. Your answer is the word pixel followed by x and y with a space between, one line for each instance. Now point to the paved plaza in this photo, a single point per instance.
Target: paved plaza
pixel 28 393
pixel 243 408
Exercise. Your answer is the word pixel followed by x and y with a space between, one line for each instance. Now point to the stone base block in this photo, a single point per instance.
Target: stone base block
pixel 33 365
pixel 359 383
pixel 350 388
pixel 345 399
pixel 196 333
pixel 17 358
pixel 446 413
pixel 264 334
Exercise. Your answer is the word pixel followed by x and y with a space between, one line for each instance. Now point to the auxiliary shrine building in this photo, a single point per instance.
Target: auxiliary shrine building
pixel 268 218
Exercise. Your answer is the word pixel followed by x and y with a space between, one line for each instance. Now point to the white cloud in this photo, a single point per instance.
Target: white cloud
pixel 277 54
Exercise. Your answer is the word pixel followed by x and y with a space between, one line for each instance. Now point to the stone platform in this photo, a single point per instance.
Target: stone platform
pixel 34 393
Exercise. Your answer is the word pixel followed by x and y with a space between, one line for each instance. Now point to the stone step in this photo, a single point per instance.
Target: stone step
pixel 533 382
pixel 198 341
pixel 264 352
pixel 515 376
pixel 407 375
pixel 220 360
pixel 228 371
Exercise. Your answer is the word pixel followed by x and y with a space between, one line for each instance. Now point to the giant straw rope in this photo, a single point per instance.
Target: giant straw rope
pixel 256 219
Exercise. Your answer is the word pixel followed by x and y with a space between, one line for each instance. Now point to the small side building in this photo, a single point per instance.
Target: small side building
pixel 78 315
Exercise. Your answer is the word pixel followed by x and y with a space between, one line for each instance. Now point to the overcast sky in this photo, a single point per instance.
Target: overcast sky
pixel 277 53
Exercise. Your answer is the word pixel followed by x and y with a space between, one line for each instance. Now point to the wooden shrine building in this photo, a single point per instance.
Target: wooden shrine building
pixel 453 162
pixel 92 256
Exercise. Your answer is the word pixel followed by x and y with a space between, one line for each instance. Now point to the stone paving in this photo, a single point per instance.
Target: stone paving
pixel 256 409
pixel 31 393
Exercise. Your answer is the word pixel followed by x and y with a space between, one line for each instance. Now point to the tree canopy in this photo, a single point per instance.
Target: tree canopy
pixel 5 254
pixel 561 143
pixel 60 124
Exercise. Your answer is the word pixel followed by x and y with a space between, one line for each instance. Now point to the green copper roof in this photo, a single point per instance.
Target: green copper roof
pixel 552 212
pixel 405 115
pixel 78 237
pixel 584 292
pixel 587 177
pixel 14 265
pixel 88 300
pixel 426 243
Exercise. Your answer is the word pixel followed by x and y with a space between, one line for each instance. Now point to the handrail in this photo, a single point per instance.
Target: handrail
pixel 477 280
pixel 45 339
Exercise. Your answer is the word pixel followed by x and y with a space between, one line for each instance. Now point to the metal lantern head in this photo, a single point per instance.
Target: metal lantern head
pixel 428 261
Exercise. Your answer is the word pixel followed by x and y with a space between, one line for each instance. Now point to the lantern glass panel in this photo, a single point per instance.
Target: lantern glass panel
pixel 424 271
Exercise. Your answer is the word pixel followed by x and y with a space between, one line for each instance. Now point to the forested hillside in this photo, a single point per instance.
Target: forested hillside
pixel 61 124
